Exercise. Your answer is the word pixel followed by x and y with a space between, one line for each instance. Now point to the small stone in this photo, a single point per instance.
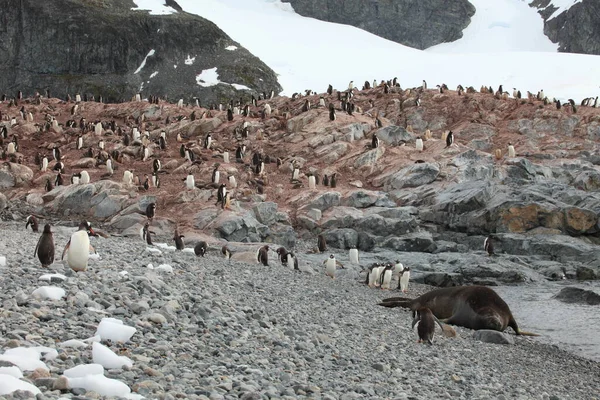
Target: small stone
pixel 157 318
pixel 378 367
pixel 39 373
pixel 491 336
pixel 62 383
pixel 457 379
pixel 11 344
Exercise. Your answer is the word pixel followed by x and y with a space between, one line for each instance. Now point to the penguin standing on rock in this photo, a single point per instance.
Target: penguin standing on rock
pixel 146 233
pixel 150 211
pixel 425 321
pixel 226 252
pixel 449 139
pixel 375 141
pixel 45 247
pixel 332 115
pixel 488 245
pixel 353 255
pixel 262 255
pixel 31 220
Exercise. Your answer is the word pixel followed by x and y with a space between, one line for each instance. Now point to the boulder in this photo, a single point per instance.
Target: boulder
pixel 586 274
pixel 369 158
pixel 12 174
pixel 122 222
pixel 265 212
pixel 86 162
pixel 105 205
pixel 588 180
pixel 491 336
pixel 237 228
pixel 442 279
pixel 415 242
pixel 577 295
pixel 356 131
pixel 361 198
pixel 297 123
pixel 394 135
pixel 284 235
pixel 3 202
pixel 201 127
pixel 412 176
pixel 579 221
pixel 74 199
pixel 344 238
pixel 332 152
pixel 325 201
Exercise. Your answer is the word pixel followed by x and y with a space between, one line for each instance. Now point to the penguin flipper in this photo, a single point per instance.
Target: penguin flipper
pixel 65 250
pixel 37 246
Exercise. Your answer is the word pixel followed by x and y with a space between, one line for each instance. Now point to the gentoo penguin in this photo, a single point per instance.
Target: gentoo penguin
pixel 189 181
pixel 229 115
pixel 48 186
pixel 232 181
pixel 404 278
pixel 45 247
pixel 207 141
pixel 372 275
pixel 56 153
pixel 178 240
pixel 488 245
pixel 226 252
pixel 295 173
pixel 155 180
pixel 292 261
pixel 333 180
pixel 424 85
pixel 312 182
pixel 282 253
pixel 321 101
pixel 216 175
pixel 151 210
pixel 449 139
pixel 226 157
pixel 419 144
pixel 375 141
pixel 101 144
pixel 45 164
pixel 262 255
pixel 330 90
pixel 200 248
pixel 325 180
pixel 386 277
pixel 145 233
pixel 79 145
pixel 59 180
pixel 84 177
pixel 332 115
pixel 425 321
pixel 156 165
pixel 351 85
pixel 78 247
pixel 31 220
pixel 330 266
pixel 221 192
pixel 511 151
pixel 321 243
pixel 353 255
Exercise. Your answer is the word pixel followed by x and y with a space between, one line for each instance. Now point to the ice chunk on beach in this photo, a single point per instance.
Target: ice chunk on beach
pixel 9 384
pixel 114 329
pixel 49 293
pixel 82 370
pixel 107 358
pixel 12 371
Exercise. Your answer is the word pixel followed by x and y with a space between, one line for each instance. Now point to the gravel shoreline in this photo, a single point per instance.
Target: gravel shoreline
pixel 227 330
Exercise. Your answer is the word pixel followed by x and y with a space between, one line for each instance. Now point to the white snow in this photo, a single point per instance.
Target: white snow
pixel 49 293
pixel 123 273
pixel 114 329
pixel 73 343
pixel 103 386
pixel 231 48
pixel 94 256
pixel 48 277
pixel 165 268
pixel 152 75
pixel 307 61
pixel 9 384
pixel 150 54
pixel 164 246
pixel 2 261
pixel 501 26
pixel 93 339
pixel 107 358
pixel 562 6
pixel 12 371
pixel 188 250
pixel 150 266
pixel 156 7
pixel 189 60
pixel 240 87
pixel 25 358
pixel 208 77
pixel 79 371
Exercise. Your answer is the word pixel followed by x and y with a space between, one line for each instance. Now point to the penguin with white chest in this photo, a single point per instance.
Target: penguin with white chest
pixel 353 255
pixel 425 321
pixel 78 247
pixel 404 278
pixel 386 276
pixel 331 265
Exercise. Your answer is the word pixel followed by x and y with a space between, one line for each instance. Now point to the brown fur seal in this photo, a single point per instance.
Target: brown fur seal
pixel 474 307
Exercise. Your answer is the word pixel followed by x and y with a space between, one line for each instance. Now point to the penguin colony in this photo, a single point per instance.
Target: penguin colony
pixel 114 145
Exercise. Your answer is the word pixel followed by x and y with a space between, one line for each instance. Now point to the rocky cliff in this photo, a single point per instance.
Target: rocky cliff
pixel 104 48
pixel 415 23
pixel 577 30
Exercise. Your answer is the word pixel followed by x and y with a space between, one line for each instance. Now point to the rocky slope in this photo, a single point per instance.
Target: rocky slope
pixel 97 48
pixel 576 30
pixel 414 23
pixel 432 209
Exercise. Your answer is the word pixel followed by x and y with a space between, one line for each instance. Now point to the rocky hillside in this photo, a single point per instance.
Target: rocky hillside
pixel 577 30
pixel 103 48
pixel 432 207
pixel 415 23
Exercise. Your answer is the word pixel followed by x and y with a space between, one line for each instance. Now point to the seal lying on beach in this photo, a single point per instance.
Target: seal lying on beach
pixel 474 307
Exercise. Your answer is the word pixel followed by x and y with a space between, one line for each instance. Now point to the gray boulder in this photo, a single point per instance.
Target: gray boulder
pixel 577 295
pixel 412 176
pixel 495 337
pixel 3 202
pixel 394 135
pixel 266 212
pixel 325 201
pixel 12 174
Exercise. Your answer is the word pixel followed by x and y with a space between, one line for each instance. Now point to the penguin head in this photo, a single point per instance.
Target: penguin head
pixel 47 228
pixel 331 256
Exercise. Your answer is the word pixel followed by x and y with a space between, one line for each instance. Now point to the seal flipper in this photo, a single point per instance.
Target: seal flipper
pixel 513 324
pixel 392 302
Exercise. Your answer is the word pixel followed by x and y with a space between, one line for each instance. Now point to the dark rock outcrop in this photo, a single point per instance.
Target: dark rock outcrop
pixel 576 295
pixel 576 30
pixel 414 23
pixel 98 48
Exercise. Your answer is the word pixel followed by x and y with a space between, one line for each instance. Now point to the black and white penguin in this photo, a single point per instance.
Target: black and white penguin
pixel 232 181
pixel 330 266
pixel 306 106
pixel 79 142
pixel 353 256
pixel 146 233
pixel 151 210
pixel 200 248
pixel 78 247
pixel 375 141
pixel 31 220
pixel 332 115
pixel 155 180
pixel 56 153
pixel 48 186
pixel 59 180
pixel 216 175
pixel 226 252
pixel 45 247
pixel 386 276
pixel 282 254
pixel 207 141
pixel 511 151
pixel 325 180
pixel 449 139
pixel 229 115
pixel 239 153
pixel 321 243
pixel 425 321
pixel 262 255
pixel 488 245
pixel 292 261
pixel 404 279
pixel 156 165
pixel 333 180
pixel 190 182
pixel 179 245
pixel 330 90
pixel 221 192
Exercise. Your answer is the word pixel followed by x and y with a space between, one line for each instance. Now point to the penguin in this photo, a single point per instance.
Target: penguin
pixel 330 266
pixel 226 157
pixel 216 175
pixel 511 151
pixel 404 278
pixel 101 144
pixel 45 164
pixel 45 247
pixel 84 177
pixel 59 180
pixel 449 139
pixel 200 248
pixel 488 245
pixel 155 180
pixel 221 192
pixel 226 202
pixel 239 153
pixel 425 321
pixel 148 233
pixel 353 255
pixel 56 153
pixel 262 255
pixel 386 277
pixel 79 145
pixel 312 182
pixel 226 252
pixel 292 261
pixel 78 247
pixel 31 220
pixel 75 179
pixel 330 90
pixel 59 166
pixel 332 115
pixel 306 106
pixel 375 141
pixel 156 165
pixel 189 181
pixel 229 115
pixel 325 180
pixel 419 144
pixel 295 173
pixel 207 141
pixel 333 180
pixel 151 211
pixel 179 245
pixel 321 101
pixel 48 186
pixel 372 275
pixel 351 85
pixel 424 85
pixel 232 181
pixel 321 243
pixel 282 254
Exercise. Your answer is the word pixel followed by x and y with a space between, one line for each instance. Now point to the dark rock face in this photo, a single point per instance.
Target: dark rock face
pixel 415 23
pixel 576 295
pixel 97 47
pixel 577 30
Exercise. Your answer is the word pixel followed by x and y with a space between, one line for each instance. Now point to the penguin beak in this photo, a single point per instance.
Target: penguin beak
pixel 91 231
